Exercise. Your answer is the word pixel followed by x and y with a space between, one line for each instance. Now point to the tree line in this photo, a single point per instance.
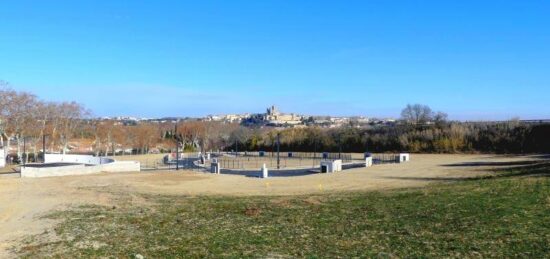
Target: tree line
pixel 26 121
pixel 419 130
pixel 440 137
pixel 449 137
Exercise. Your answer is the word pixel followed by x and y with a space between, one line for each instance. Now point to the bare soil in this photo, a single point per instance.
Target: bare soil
pixel 24 200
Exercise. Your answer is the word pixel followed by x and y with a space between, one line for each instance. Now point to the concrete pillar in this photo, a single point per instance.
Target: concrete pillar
pixel 337 165
pixel 2 158
pixel 215 168
pixel 403 157
pixel 265 171
pixel 368 162
pixel 331 166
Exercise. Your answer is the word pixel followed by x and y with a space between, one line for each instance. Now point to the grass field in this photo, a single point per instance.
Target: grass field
pixel 502 215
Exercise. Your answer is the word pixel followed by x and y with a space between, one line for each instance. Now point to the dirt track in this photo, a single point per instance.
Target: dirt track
pixel 23 201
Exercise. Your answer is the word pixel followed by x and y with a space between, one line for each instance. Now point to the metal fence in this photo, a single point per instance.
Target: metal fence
pixel 345 157
pixel 270 162
pixel 384 158
pixel 186 163
pixel 253 160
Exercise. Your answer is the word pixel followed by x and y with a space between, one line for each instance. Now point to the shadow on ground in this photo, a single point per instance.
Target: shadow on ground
pixel 494 164
pixel 526 168
pixel 535 156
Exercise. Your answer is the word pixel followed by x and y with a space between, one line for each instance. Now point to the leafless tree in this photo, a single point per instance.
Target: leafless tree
pixel 70 115
pixel 417 113
pixel 440 117
pixel 19 114
pixel 5 99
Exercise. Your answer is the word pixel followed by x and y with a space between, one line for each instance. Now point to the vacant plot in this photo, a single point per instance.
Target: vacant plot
pixel 296 216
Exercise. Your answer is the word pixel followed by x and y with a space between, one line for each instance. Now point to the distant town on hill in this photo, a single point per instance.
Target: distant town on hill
pixel 272 117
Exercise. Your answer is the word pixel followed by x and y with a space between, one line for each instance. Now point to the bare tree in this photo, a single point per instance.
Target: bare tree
pixel 116 137
pixel 5 99
pixel 417 113
pixel 440 118
pixel 20 119
pixel 19 114
pixel 70 115
pixel 45 112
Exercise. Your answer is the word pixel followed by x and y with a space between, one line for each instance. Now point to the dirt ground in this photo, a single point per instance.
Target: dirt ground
pixel 24 200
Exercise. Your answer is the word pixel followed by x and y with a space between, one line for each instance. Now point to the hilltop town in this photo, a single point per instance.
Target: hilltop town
pixel 272 117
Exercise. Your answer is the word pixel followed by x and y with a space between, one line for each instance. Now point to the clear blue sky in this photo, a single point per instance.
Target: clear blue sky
pixel 471 59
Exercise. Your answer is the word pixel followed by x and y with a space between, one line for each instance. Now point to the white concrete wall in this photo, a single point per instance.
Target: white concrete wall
pixel 55 171
pixel 2 158
pixel 95 165
pixel 80 159
pixel 115 167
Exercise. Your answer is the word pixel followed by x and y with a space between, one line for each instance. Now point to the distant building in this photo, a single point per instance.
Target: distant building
pixel 274 117
pixel 229 118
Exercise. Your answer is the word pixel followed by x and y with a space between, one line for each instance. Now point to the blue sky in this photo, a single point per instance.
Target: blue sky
pixel 471 59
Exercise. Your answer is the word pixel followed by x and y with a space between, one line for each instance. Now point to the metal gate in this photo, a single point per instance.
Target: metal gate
pixel 181 164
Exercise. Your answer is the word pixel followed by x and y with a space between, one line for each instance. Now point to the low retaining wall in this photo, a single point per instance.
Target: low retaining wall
pixel 285 172
pixel 28 171
pixel 64 170
pixel 63 165
pixel 272 172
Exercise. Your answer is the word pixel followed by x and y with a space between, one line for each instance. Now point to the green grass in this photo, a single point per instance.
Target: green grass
pixel 496 217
